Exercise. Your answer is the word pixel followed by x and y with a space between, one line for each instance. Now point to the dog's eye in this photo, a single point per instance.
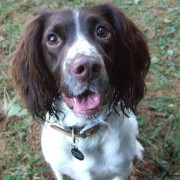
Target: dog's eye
pixel 53 39
pixel 102 32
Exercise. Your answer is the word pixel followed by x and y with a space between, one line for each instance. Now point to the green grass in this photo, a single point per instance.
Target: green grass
pixel 158 113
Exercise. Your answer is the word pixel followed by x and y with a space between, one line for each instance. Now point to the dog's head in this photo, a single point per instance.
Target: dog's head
pixel 91 56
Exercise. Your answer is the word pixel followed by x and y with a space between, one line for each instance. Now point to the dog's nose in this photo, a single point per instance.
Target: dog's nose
pixel 86 68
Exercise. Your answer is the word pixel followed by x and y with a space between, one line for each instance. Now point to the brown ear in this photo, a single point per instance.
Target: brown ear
pixel 132 59
pixel 30 73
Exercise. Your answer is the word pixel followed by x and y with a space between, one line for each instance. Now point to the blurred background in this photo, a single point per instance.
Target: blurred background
pixel 158 113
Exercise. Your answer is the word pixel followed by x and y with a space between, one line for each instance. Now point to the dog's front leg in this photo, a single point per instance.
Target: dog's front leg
pixel 119 178
pixel 139 150
pixel 60 176
pixel 84 176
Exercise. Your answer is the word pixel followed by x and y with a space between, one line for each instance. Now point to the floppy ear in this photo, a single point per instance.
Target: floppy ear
pixel 30 73
pixel 132 59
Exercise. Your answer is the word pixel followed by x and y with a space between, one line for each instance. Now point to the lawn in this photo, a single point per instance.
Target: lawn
pixel 158 113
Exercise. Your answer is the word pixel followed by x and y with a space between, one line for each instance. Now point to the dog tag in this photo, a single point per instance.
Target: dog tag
pixel 77 154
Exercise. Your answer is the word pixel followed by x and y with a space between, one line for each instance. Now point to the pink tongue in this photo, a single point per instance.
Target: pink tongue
pixel 89 102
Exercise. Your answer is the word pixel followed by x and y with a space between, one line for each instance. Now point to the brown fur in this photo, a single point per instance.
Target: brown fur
pixel 131 63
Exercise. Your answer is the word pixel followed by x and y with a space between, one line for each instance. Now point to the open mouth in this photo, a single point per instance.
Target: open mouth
pixel 87 103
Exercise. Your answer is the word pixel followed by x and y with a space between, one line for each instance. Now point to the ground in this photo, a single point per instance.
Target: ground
pixel 158 113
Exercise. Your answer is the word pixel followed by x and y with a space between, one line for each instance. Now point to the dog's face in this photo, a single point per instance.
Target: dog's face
pixel 78 47
pixel 90 56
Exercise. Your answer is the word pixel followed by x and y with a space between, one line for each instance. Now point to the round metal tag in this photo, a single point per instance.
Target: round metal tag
pixel 77 154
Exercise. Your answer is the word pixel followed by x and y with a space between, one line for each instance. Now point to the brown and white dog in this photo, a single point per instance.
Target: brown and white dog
pixel 83 71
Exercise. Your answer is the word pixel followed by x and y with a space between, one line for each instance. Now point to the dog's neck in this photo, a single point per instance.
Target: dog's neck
pixel 78 132
pixel 85 130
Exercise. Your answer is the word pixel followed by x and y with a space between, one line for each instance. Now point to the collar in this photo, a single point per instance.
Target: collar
pixel 83 132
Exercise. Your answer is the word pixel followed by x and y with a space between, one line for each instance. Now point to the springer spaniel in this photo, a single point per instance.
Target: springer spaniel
pixel 82 71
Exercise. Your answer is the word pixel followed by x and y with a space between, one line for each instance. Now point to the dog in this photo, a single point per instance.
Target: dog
pixel 82 71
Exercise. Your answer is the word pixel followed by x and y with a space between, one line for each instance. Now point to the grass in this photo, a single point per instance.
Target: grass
pixel 158 113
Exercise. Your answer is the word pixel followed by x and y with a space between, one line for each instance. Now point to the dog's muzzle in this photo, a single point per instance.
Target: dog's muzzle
pixel 87 103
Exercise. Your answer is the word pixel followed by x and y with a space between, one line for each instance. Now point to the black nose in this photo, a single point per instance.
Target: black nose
pixel 85 68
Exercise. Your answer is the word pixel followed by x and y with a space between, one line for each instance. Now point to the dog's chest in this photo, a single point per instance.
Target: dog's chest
pixel 101 159
pixel 104 153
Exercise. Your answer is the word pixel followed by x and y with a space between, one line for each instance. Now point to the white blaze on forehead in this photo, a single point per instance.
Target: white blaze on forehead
pixel 80 44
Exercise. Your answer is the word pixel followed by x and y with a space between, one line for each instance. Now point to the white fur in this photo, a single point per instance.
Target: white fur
pixel 108 153
pixel 80 45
